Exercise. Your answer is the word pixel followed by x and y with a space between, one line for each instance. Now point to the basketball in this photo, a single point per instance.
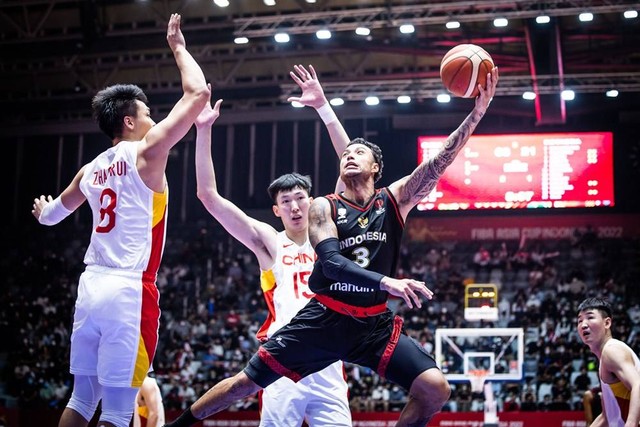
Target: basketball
pixel 463 68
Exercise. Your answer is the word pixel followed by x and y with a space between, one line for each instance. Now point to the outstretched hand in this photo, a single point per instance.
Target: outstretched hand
pixel 486 94
pixel 39 204
pixel 175 38
pixel 407 289
pixel 312 93
pixel 208 115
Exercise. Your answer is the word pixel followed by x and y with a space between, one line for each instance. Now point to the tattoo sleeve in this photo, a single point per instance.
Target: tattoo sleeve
pixel 321 226
pixel 424 178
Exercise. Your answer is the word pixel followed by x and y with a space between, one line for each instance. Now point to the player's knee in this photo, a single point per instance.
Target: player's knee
pixel 85 407
pixel 118 419
pixel 444 389
pixel 117 405
pixel 86 394
pixel 432 387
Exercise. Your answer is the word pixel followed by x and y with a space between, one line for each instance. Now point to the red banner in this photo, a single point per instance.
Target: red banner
pixel 50 417
pixel 443 419
pixel 423 229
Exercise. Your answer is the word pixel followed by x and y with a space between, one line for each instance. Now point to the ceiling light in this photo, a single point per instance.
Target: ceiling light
pixel 500 22
pixel 363 31
pixel 529 96
pixel 311 1
pixel 372 100
pixel 241 40
pixel 336 102
pixel 221 3
pixel 404 99
pixel 407 28
pixel 612 93
pixel 568 95
pixel 323 34
pixel 282 37
pixel 452 25
pixel 443 98
pixel 269 2
pixel 543 19
pixel 585 17
pixel 630 14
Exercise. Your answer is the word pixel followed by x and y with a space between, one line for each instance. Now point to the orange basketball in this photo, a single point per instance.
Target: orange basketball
pixel 463 68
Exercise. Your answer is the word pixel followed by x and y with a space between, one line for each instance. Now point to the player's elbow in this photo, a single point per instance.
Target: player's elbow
pixel 209 197
pixel 200 95
pixel 196 96
pixel 331 269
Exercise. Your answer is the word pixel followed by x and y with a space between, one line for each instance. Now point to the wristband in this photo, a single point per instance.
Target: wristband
pixel 327 114
pixel 53 212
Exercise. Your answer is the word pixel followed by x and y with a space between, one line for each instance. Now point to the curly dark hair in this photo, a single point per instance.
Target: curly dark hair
pixel 112 104
pixel 375 150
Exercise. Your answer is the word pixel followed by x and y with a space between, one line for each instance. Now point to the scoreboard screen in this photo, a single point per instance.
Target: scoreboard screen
pixel 544 170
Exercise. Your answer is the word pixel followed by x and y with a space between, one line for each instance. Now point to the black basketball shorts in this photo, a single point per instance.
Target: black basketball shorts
pixel 317 336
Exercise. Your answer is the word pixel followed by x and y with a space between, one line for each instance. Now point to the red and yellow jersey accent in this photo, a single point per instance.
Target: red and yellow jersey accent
pixel 149 325
pixel 616 399
pixel 285 285
pixel 268 285
pixel 143 411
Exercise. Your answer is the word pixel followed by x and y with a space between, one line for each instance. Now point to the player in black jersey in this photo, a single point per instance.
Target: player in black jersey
pixel 356 235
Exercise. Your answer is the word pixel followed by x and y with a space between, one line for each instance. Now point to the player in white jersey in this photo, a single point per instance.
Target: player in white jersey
pixel 149 409
pixel 619 369
pixel 115 327
pixel 285 284
pixel 286 259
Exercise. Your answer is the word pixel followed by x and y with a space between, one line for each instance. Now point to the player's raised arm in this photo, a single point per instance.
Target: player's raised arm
pixel 255 235
pixel 159 140
pixel 409 190
pixel 313 96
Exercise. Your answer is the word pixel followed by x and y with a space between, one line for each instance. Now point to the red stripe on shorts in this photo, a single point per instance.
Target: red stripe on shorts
pixel 150 318
pixel 271 362
pixel 391 346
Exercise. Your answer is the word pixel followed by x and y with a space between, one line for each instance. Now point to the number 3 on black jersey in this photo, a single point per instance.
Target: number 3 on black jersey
pixel 362 256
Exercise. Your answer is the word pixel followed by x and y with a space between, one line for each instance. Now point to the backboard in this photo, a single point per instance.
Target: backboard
pixel 498 350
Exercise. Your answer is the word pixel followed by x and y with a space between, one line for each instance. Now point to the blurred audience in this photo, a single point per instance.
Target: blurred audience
pixel 211 310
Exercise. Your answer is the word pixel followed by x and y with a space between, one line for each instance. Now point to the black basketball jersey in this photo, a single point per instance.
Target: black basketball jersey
pixel 370 236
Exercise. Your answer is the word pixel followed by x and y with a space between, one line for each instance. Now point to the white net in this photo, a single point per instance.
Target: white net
pixel 477 378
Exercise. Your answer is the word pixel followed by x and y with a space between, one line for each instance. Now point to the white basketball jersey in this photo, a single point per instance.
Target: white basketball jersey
pixel 285 285
pixel 129 219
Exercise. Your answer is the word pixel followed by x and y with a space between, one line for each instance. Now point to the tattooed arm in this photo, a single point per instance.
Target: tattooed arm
pixel 321 225
pixel 409 190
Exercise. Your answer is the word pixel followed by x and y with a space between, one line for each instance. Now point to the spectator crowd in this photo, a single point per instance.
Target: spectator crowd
pixel 212 307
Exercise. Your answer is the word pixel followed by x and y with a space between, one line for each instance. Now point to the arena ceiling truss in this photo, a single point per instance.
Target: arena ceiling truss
pixel 54 54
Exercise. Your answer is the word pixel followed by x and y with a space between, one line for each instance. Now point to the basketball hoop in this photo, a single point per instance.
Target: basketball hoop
pixel 477 378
